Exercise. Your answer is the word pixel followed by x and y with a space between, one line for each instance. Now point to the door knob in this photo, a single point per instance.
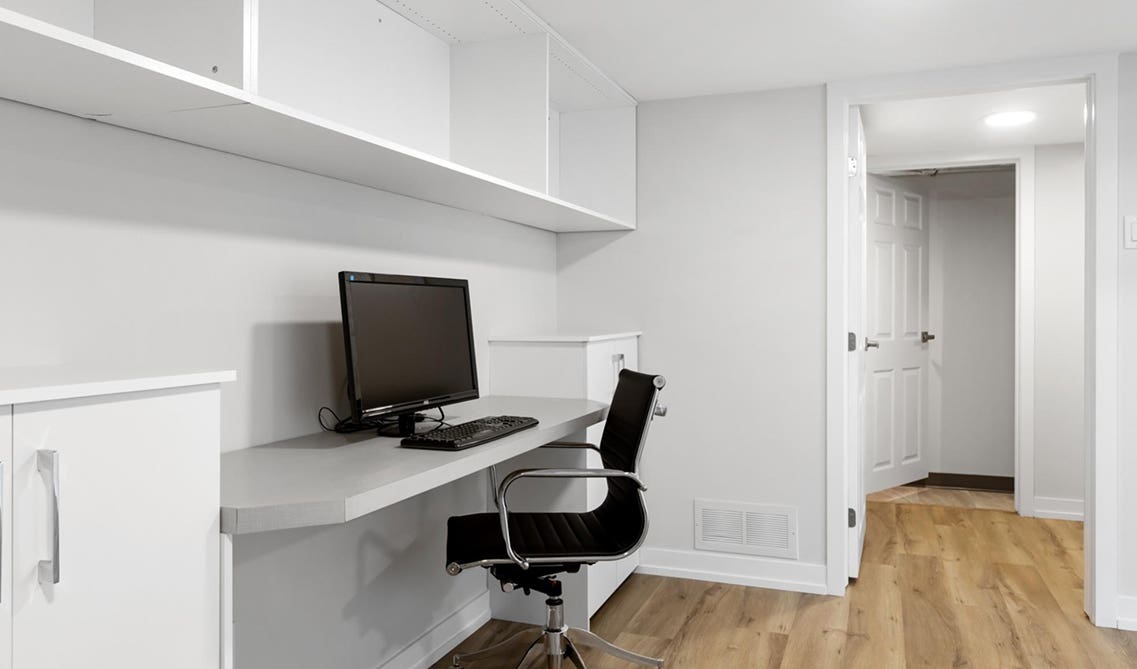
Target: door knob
pixel 925 337
pixel 871 343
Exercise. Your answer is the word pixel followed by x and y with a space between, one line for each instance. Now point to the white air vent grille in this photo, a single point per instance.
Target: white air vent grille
pixel 754 529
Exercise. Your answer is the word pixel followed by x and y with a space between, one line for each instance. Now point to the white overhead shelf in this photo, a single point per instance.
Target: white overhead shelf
pixel 50 67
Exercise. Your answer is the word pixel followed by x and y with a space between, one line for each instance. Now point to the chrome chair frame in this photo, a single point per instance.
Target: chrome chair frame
pixel 559 640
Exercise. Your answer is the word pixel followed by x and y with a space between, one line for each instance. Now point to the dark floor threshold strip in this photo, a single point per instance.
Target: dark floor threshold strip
pixel 967 482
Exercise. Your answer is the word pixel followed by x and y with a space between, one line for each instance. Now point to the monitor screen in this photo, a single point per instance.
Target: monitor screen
pixel 409 342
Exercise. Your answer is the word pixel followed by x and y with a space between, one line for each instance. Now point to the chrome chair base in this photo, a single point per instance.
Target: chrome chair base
pixel 559 643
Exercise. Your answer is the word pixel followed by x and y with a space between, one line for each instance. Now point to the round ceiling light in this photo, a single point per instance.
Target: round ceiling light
pixel 1010 119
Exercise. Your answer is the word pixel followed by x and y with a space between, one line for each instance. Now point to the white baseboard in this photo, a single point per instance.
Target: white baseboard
pixel 438 640
pixel 1059 508
pixel 734 569
pixel 1127 613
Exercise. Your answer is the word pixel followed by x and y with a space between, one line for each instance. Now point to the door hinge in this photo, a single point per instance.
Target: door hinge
pixel 852 166
pixel 852 517
pixel 852 341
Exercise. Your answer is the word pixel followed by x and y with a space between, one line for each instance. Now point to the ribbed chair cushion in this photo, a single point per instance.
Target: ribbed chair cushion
pixel 478 536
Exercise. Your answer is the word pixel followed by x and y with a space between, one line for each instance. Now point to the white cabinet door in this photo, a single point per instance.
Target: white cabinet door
pixel 138 522
pixel 5 537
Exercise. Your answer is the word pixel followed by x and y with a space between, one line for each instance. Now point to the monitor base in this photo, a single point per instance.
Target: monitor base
pixel 404 427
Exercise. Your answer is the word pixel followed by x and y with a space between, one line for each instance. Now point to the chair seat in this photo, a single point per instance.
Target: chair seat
pixel 574 535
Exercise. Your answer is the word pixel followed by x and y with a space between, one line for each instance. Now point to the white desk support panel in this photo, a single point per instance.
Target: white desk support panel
pixel 329 478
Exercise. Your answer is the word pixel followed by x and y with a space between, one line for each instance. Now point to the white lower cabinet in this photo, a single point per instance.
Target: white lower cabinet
pixel 584 366
pixel 114 558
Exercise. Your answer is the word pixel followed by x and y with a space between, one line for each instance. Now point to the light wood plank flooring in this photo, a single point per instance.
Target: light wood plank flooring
pixel 968 499
pixel 939 587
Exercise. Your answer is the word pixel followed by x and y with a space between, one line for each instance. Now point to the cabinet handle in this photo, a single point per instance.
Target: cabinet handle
pixel 47 462
pixel 618 365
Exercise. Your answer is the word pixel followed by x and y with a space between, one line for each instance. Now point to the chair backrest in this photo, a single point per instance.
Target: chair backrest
pixel 629 418
pixel 625 433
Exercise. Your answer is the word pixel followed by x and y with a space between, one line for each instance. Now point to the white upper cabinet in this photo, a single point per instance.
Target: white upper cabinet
pixel 205 37
pixel 475 105
pixel 76 15
pixel 499 108
pixel 355 62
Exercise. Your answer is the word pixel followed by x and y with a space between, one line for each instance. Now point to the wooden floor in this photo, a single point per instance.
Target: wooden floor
pixel 968 499
pixel 939 587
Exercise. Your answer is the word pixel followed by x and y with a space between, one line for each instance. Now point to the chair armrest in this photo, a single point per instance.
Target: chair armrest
pixel 572 444
pixel 503 510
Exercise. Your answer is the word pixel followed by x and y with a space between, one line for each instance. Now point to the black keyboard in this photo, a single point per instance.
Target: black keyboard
pixel 473 433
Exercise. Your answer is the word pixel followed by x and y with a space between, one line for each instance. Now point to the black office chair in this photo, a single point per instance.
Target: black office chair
pixel 528 550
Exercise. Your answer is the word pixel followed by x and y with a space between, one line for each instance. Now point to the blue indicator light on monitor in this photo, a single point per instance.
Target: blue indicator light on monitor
pixel 351 277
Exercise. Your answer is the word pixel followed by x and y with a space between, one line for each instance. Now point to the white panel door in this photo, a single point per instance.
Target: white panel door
pixel 896 358
pixel 858 207
pixel 5 537
pixel 138 525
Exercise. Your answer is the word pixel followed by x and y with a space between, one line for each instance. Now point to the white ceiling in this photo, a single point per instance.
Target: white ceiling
pixel 665 48
pixel 935 125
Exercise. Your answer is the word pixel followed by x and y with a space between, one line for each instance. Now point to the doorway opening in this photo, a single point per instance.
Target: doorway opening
pixel 1100 74
pixel 972 275
pixel 952 260
pixel 939 410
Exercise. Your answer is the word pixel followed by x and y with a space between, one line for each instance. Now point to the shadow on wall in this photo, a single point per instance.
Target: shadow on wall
pixel 299 367
pixel 52 163
pixel 572 247
pixel 363 581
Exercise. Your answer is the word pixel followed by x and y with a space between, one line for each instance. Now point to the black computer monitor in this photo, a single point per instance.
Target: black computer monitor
pixel 409 342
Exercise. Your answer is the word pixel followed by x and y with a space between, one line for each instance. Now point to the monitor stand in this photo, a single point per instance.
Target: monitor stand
pixel 404 428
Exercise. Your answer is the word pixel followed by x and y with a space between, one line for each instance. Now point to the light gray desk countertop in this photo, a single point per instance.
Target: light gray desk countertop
pixel 329 478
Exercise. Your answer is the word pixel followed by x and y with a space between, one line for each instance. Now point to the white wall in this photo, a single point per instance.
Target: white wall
pixel 1127 371
pixel 1059 369
pixel 130 250
pixel 726 277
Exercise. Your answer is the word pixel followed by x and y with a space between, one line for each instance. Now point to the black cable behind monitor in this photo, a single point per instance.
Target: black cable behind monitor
pixel 382 425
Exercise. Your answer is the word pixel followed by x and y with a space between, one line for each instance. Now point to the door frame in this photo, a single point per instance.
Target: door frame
pixel 1023 160
pixel 1100 74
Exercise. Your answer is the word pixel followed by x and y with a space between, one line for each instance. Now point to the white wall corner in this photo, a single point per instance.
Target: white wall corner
pixel 438 640
pixel 1059 508
pixel 755 572
pixel 1127 613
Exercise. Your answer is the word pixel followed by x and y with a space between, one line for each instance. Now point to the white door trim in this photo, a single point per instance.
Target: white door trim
pixel 1102 249
pixel 1023 160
